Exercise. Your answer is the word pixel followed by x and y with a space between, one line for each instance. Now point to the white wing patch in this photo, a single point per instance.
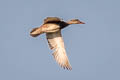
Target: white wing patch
pixel 56 43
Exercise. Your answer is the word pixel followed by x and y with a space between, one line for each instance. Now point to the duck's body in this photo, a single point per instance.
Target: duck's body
pixel 52 27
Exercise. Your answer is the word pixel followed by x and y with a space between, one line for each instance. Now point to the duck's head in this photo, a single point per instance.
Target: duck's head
pixel 75 21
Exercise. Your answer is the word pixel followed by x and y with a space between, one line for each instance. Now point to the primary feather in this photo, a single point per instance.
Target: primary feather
pixel 56 43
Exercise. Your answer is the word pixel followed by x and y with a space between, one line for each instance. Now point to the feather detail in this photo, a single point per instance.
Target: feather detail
pixel 51 19
pixel 36 32
pixel 56 43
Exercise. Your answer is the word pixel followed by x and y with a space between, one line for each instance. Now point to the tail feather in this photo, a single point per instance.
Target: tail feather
pixel 36 32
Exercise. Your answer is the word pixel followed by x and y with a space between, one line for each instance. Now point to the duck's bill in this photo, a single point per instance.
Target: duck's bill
pixel 81 22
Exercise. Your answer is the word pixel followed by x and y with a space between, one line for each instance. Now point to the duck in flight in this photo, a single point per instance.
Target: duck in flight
pixel 52 26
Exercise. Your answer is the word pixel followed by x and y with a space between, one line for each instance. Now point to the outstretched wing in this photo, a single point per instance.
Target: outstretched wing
pixel 56 43
pixel 51 19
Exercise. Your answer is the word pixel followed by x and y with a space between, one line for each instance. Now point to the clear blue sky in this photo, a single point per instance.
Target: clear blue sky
pixel 93 48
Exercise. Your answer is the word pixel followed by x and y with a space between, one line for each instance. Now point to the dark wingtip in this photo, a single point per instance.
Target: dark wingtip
pixel 67 67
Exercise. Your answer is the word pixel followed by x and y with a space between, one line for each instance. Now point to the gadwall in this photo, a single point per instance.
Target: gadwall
pixel 52 27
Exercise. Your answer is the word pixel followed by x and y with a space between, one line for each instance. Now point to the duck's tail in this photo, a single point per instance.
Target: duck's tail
pixel 36 32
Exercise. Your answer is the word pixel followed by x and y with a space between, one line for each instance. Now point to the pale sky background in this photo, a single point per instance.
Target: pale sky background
pixel 93 48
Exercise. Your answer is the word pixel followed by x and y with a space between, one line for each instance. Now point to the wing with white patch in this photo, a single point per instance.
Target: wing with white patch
pixel 56 43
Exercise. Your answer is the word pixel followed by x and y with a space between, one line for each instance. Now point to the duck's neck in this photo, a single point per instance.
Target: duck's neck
pixel 63 24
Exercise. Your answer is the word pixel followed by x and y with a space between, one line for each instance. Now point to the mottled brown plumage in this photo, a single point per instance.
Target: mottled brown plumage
pixel 52 27
pixel 51 19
